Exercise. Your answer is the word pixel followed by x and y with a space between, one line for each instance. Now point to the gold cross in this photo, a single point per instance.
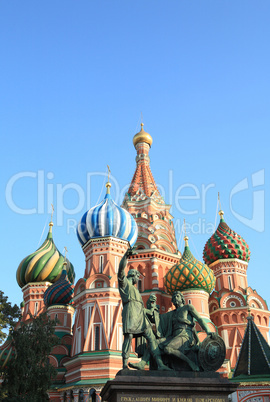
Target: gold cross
pixel 52 212
pixel 109 171
pixel 219 201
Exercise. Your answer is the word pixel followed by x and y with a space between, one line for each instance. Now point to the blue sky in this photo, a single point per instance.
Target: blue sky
pixel 75 78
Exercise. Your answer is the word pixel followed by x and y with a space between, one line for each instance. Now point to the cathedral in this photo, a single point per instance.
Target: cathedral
pixel 89 310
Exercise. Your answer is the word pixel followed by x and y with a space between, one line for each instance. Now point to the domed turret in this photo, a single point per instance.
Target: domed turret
pixel 107 219
pixel 225 243
pixel 189 273
pixel 142 136
pixel 60 292
pixel 44 265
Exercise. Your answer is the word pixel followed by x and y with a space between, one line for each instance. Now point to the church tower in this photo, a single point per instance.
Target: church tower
pixel 156 248
pixel 58 300
pixel 105 233
pixel 37 272
pixel 227 254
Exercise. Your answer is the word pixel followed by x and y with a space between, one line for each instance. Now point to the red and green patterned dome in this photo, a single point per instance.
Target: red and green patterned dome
pixel 189 273
pixel 225 243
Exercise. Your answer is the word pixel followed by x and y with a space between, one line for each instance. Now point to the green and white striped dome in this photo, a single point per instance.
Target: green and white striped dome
pixel 44 265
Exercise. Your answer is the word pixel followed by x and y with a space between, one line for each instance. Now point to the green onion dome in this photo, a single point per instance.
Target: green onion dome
pixel 225 243
pixel 60 292
pixel 7 352
pixel 44 265
pixel 189 273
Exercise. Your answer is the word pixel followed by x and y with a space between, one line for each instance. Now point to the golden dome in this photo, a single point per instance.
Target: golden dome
pixel 142 136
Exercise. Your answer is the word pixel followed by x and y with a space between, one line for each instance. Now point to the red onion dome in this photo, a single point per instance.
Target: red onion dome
pixel 225 243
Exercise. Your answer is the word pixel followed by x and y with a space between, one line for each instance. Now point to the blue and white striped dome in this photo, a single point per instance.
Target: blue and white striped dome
pixel 107 219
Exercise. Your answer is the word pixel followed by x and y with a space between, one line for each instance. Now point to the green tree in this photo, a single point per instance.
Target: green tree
pixel 29 375
pixel 9 315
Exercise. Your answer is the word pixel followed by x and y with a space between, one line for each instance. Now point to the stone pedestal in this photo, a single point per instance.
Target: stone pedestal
pixel 160 386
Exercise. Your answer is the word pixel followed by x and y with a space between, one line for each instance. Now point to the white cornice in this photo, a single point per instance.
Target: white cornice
pixel 227 260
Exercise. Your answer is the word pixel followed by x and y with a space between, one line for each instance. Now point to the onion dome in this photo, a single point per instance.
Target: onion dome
pixel 189 273
pixel 44 265
pixel 60 292
pixel 142 136
pixel 225 243
pixel 107 219
pixel 7 351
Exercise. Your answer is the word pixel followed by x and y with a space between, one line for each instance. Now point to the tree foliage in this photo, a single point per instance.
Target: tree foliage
pixel 9 315
pixel 30 374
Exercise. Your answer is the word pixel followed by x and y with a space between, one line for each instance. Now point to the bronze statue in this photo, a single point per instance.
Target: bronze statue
pixel 171 335
pixel 134 318
pixel 152 314
pixel 181 336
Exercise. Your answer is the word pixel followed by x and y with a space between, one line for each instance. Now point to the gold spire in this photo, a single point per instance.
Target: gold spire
pixel 108 184
pixel 221 213
pixel 186 237
pixel 142 136
pixel 51 222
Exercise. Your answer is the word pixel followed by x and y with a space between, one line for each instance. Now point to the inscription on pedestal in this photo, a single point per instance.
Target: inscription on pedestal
pixel 167 399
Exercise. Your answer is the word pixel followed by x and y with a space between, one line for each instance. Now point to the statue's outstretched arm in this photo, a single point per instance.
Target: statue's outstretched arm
pixel 123 264
pixel 200 320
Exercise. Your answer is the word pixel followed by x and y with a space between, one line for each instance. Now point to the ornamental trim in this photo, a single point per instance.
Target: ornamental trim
pixel 232 297
pixel 257 300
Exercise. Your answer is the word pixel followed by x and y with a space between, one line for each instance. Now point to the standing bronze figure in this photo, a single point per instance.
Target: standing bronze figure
pixel 134 318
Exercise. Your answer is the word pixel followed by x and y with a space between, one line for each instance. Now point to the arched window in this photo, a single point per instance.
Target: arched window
pixel 36 308
pixel 92 395
pixel 234 318
pixel 78 341
pixel 71 396
pixel 226 318
pixel 101 263
pixel 116 264
pixel 97 340
pixel 140 285
pixel 202 303
pixel 230 283
pixel 65 397
pixel 81 397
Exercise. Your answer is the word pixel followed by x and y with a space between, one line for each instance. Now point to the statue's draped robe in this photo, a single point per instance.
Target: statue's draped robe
pixel 133 315
pixel 165 327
